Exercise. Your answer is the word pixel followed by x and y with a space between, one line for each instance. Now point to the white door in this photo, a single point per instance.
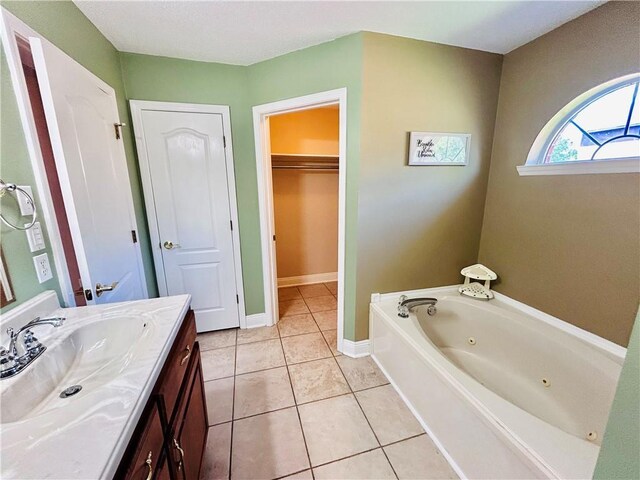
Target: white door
pixel 187 166
pixel 81 111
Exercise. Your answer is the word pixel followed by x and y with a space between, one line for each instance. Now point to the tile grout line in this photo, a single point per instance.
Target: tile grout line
pixel 304 438
pixel 303 403
pixel 233 404
pixel 361 409
pixel 380 447
pixel 274 338
pixel 270 368
pixel 368 422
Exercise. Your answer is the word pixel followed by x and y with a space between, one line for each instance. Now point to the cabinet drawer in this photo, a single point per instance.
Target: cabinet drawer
pixel 177 364
pixel 148 451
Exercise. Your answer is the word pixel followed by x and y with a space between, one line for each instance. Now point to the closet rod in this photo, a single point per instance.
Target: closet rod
pixel 305 167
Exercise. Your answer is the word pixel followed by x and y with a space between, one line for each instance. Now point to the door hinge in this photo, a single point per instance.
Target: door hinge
pixel 134 236
pixel 224 141
pixel 274 238
pixel 237 299
pixel 231 222
pixel 118 128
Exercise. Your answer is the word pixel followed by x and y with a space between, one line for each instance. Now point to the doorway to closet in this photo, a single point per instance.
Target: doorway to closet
pixel 305 173
pixel 301 163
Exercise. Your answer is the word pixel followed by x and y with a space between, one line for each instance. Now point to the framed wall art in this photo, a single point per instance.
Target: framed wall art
pixel 428 148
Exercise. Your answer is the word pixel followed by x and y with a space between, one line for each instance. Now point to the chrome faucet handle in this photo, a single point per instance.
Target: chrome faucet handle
pixel 402 298
pixel 12 351
pixel 29 337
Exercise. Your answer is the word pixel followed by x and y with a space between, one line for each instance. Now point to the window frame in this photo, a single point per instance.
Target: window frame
pixel 549 132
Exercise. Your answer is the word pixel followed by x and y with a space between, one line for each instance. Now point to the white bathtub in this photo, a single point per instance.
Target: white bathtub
pixel 505 390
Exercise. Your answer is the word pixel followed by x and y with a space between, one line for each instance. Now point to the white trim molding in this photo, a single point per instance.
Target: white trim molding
pixel 356 349
pixel 627 165
pixel 137 107
pixel 308 279
pixel 261 114
pixel 256 320
pixel 547 135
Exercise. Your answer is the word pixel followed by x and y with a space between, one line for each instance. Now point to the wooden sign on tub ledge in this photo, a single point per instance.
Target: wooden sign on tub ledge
pixel 444 149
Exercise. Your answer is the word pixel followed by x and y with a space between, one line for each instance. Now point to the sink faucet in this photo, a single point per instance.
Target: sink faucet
pixel 19 355
pixel 406 304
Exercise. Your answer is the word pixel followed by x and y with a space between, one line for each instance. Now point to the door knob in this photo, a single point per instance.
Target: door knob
pixel 170 245
pixel 100 288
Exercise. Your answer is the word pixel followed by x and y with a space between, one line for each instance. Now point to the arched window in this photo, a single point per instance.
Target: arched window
pixel 598 132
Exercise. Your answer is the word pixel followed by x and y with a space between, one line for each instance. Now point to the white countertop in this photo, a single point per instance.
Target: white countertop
pixel 85 436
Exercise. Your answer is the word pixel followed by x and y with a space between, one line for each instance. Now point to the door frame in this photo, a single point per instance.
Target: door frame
pixel 137 107
pixel 261 114
pixel 10 27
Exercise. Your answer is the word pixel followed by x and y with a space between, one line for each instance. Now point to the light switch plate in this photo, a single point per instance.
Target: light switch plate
pixel 35 237
pixel 25 207
pixel 43 268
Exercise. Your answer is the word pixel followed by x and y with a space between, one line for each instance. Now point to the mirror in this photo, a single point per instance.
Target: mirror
pixel 6 290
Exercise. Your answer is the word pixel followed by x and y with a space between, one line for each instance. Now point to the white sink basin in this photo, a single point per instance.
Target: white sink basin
pixel 90 355
pixel 115 352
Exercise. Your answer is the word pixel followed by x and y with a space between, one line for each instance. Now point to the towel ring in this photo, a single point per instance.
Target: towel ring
pixel 12 187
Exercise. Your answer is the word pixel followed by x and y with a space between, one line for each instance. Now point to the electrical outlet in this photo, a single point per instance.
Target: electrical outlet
pixel 35 237
pixel 43 268
pixel 26 208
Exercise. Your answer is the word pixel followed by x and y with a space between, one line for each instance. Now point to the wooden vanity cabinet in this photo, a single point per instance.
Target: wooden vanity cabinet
pixel 188 431
pixel 174 424
pixel 149 450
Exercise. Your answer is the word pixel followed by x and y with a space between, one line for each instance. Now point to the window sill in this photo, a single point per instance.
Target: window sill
pixel 631 165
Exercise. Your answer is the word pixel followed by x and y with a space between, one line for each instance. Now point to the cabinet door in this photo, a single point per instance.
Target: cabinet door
pixel 190 431
pixel 147 450
pixel 162 472
pixel 176 370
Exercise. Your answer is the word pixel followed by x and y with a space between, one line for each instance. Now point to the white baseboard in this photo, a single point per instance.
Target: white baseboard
pixel 308 279
pixel 256 320
pixel 356 349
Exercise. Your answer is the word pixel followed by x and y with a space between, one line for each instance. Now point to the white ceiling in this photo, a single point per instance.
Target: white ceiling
pixel 246 32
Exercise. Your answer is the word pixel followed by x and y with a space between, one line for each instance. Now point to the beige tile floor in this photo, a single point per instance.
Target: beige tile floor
pixel 283 403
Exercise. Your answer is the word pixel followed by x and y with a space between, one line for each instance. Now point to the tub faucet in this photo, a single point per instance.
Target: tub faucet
pixel 406 304
pixel 19 355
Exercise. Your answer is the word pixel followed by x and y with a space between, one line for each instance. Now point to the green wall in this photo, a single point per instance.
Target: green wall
pixel 328 66
pixel 620 452
pixel 168 79
pixel 332 65
pixel 324 67
pixel 65 26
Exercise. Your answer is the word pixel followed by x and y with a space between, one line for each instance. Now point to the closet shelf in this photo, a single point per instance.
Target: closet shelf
pixel 299 161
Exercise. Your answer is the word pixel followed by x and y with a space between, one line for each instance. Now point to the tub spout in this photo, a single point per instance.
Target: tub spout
pixel 405 305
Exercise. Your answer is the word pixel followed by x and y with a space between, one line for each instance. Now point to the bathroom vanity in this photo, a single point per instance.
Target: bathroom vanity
pixel 171 434
pixel 140 412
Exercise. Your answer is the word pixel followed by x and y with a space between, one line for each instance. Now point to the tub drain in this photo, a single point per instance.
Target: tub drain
pixel 70 391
